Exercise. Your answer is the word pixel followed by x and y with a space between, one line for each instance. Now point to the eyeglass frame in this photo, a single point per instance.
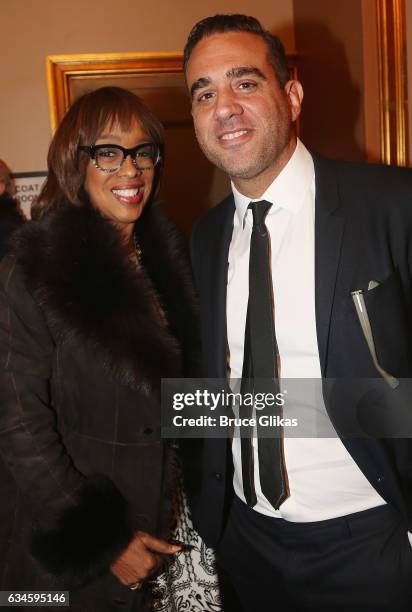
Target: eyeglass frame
pixel 91 150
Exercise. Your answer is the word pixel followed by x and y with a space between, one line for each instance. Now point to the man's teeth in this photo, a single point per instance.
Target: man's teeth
pixel 126 193
pixel 233 135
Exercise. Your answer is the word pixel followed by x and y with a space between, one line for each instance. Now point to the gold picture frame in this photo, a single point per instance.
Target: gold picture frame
pixel 69 76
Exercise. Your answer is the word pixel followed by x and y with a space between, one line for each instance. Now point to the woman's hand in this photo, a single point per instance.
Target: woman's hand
pixel 142 558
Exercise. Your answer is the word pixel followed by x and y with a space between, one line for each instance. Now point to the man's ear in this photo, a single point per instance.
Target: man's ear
pixel 2 187
pixel 294 92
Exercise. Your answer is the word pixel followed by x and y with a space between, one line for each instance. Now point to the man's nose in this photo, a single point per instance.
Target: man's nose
pixel 227 106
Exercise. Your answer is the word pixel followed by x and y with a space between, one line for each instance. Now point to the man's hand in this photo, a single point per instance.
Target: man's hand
pixel 139 560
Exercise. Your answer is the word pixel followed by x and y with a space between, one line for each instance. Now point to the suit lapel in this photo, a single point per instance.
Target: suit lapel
pixel 329 227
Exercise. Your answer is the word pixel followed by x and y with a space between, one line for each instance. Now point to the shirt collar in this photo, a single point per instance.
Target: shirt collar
pixel 289 187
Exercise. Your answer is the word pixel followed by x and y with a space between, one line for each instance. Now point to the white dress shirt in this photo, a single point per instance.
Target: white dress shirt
pixel 324 481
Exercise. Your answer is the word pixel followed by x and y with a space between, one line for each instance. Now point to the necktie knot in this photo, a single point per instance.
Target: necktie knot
pixel 259 211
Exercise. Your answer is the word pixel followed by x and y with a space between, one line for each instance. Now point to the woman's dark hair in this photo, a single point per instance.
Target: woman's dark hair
pixel 82 125
pixel 221 24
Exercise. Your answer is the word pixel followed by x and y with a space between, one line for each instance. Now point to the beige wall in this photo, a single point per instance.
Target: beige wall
pixel 32 29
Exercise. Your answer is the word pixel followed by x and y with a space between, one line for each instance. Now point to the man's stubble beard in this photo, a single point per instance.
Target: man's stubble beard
pixel 274 142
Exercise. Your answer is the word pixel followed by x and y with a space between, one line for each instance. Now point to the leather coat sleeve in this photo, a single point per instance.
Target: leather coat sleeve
pixel 79 524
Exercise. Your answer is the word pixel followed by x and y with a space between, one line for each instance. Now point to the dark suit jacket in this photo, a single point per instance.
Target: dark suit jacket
pixel 363 231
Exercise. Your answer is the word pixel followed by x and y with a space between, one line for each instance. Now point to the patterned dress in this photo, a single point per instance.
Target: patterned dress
pixel 190 582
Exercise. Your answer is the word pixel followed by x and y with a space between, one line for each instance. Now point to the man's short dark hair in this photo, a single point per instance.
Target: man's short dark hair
pixel 220 24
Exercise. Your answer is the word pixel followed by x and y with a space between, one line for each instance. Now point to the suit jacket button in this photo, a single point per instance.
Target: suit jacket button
pixel 148 431
pixel 218 476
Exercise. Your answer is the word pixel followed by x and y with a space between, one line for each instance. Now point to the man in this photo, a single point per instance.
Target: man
pixel 332 532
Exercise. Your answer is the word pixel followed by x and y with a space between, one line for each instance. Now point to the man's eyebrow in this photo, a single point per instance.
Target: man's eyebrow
pixel 241 71
pixel 202 82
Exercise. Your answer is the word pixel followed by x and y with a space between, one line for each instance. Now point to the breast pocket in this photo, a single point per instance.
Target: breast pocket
pixel 390 326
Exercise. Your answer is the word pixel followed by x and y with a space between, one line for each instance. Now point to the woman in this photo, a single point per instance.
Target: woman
pixel 96 306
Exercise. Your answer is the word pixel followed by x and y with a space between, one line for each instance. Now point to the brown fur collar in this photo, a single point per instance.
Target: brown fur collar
pixel 88 290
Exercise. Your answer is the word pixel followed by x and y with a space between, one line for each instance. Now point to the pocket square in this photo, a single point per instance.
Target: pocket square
pixel 372 284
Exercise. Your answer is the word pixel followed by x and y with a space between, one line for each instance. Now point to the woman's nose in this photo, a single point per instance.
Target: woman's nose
pixel 128 168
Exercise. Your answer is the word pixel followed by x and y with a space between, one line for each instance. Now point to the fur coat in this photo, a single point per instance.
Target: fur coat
pixel 85 337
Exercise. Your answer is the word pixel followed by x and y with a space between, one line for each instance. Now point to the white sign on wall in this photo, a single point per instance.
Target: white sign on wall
pixel 28 186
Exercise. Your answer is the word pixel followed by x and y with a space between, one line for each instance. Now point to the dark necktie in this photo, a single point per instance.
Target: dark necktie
pixel 260 367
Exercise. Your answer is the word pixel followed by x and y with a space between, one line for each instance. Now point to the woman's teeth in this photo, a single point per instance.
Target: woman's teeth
pixel 126 193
